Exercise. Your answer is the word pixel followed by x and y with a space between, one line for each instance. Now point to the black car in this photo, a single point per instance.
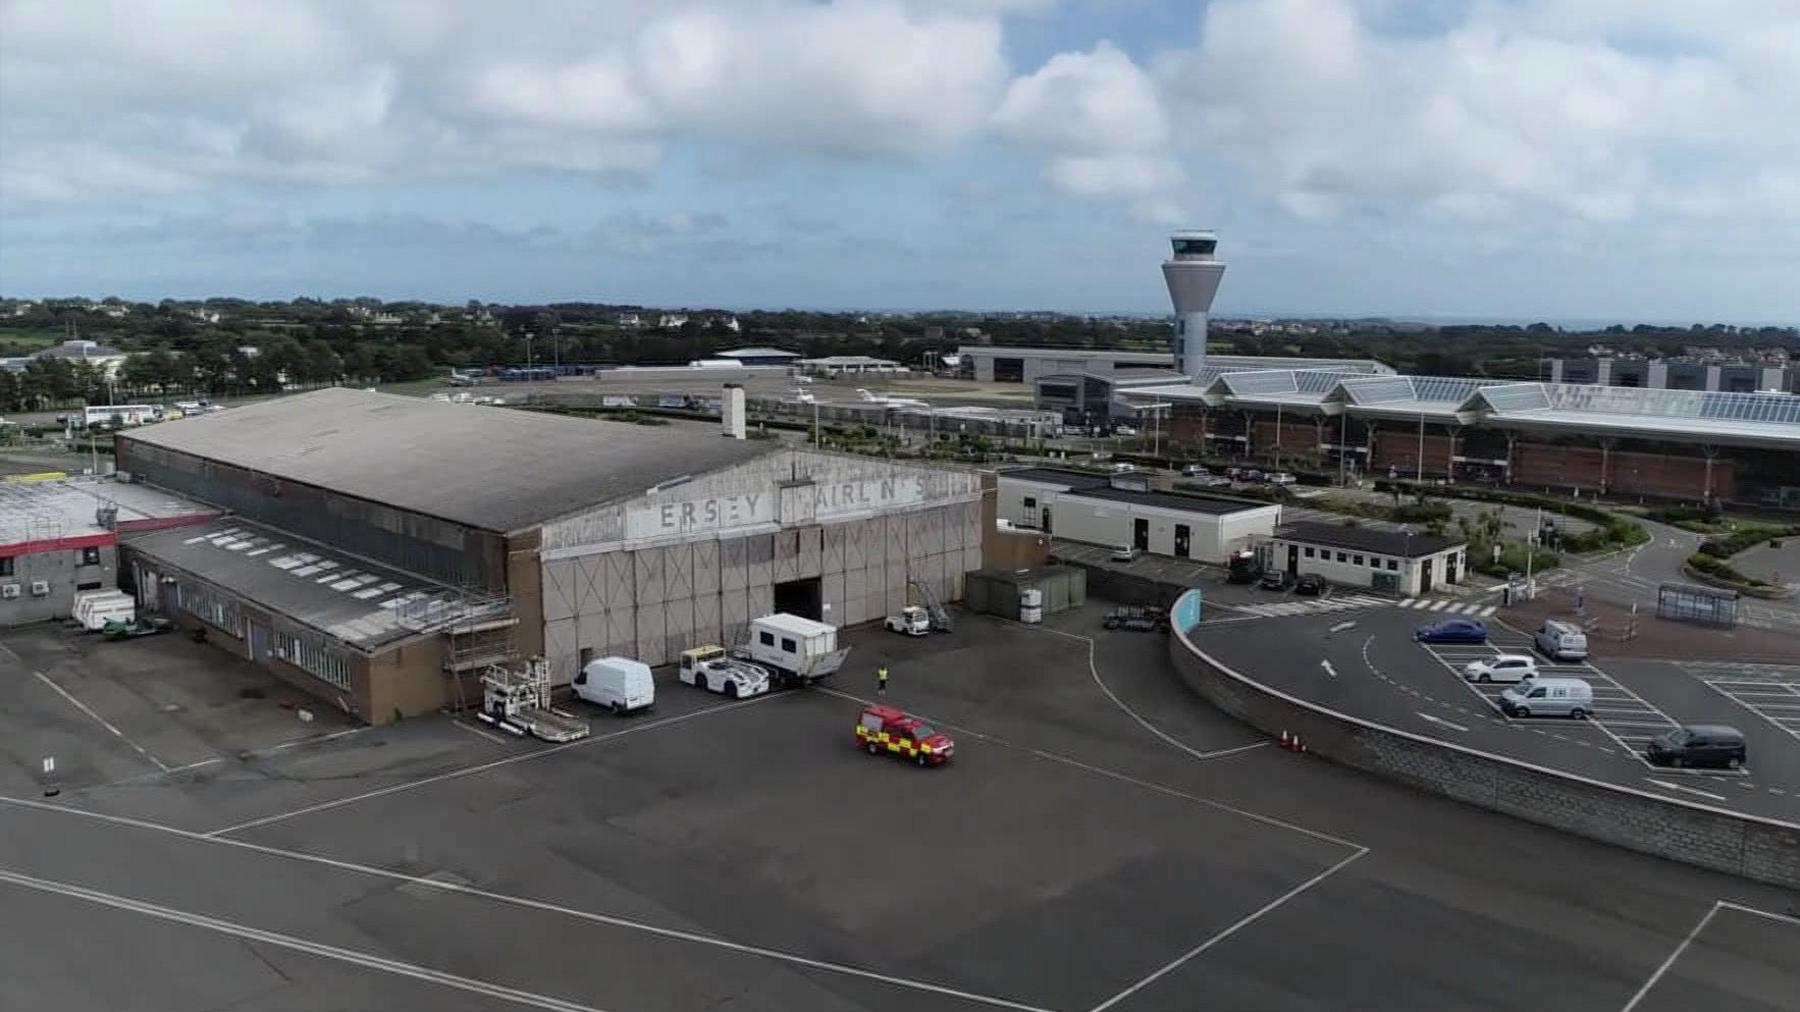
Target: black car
pixel 1312 585
pixel 1276 579
pixel 1698 745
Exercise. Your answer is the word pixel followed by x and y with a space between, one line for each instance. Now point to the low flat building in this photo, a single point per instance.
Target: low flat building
pixel 1126 509
pixel 850 365
pixel 59 537
pixel 1385 560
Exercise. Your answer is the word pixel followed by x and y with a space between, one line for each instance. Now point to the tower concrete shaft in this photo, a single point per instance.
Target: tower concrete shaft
pixel 1193 274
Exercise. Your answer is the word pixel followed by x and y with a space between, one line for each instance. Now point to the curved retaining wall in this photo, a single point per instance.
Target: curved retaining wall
pixel 1764 849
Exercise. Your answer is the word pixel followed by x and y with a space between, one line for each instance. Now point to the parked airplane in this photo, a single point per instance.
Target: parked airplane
pixel 889 401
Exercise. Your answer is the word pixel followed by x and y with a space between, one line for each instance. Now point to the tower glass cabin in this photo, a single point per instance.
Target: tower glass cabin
pixel 1192 272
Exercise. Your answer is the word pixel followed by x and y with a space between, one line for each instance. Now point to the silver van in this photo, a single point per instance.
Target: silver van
pixel 1562 641
pixel 1549 697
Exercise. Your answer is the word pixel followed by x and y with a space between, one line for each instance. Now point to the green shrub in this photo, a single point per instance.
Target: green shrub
pixel 1719 569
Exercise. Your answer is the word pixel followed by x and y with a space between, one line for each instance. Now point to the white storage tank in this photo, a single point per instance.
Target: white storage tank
pixel 1031 605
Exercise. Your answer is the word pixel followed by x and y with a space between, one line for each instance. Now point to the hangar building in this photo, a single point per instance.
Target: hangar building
pixel 382 550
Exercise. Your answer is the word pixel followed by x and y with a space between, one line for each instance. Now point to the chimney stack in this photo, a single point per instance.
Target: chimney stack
pixel 731 412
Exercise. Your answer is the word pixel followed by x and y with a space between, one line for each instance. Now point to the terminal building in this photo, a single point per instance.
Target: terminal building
pixel 1706 444
pixel 381 551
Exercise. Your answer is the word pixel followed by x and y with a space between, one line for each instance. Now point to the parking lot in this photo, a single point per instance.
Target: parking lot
pixel 1101 841
pixel 1622 715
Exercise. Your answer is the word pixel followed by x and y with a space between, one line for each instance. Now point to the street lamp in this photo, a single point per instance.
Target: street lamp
pixel 1406 554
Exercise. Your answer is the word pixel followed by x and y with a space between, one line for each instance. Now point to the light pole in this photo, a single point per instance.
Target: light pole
pixel 1419 465
pixel 1277 435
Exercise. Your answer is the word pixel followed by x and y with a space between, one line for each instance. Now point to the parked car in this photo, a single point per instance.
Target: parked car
pixel 1502 668
pixel 1453 630
pixel 1698 745
pixel 1195 471
pixel 1214 481
pixel 1124 553
pixel 1313 585
pixel 1561 641
pixel 1549 697
pixel 1251 475
pixel 1276 579
pixel 1280 478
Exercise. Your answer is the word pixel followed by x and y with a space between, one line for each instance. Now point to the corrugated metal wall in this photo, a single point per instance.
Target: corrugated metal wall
pixel 652 603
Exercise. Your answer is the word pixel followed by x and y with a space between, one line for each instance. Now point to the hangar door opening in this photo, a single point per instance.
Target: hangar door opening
pixel 805 598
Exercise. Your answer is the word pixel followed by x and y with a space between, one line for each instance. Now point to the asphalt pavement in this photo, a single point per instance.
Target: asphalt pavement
pixel 1102 840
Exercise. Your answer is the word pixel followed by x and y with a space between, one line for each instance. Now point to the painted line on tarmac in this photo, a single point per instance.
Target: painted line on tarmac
pixel 1094 672
pixel 312 739
pixel 370 961
pixel 325 806
pixel 1440 720
pixel 1685 790
pixel 102 721
pixel 472 729
pixel 1673 956
pixel 1241 923
pixel 541 906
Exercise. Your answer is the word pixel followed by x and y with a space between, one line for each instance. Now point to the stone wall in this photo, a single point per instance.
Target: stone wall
pixel 1763 849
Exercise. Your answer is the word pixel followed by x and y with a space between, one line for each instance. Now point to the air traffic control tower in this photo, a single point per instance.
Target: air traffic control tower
pixel 1193 275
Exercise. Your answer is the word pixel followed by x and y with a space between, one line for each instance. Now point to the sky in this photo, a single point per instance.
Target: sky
pixel 1606 160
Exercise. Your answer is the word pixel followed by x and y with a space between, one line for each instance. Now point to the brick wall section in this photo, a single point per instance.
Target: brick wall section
pixel 1628 473
pixel 1400 450
pixel 1297 435
pixel 1761 849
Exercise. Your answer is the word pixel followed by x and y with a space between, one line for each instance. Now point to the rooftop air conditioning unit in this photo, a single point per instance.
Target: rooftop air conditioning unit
pixel 9 591
pixel 40 588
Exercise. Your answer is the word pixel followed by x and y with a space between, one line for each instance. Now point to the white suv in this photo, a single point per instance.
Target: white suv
pixel 1502 668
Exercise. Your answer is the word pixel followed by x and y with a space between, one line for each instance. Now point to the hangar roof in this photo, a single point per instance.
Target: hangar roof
pixel 493 468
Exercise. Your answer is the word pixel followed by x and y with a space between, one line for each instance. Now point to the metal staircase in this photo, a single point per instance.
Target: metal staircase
pixel 934 607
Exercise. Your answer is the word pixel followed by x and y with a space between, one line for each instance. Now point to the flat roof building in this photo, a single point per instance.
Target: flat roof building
pixel 1390 561
pixel 1130 509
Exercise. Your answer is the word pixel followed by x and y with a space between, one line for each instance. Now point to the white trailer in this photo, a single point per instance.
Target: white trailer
pixel 94 609
pixel 795 650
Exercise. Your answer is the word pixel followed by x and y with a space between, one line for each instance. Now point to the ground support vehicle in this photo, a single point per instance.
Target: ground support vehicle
pixel 133 628
pixel 795 650
pixel 519 702
pixel 912 621
pixel 1137 618
pixel 885 730
pixel 712 669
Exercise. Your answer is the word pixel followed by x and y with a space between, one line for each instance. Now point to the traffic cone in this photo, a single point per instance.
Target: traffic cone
pixel 1284 739
pixel 1299 746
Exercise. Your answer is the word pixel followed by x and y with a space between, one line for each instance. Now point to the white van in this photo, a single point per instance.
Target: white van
pixel 1561 641
pixel 1549 697
pixel 617 683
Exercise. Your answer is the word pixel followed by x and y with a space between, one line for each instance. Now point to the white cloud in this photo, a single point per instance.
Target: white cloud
pixel 1098 118
pixel 182 93
pixel 1607 111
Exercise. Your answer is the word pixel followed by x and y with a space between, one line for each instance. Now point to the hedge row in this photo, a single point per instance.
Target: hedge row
pixel 1724 546
pixel 1719 569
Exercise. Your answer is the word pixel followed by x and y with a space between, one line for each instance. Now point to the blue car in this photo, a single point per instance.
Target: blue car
pixel 1453 630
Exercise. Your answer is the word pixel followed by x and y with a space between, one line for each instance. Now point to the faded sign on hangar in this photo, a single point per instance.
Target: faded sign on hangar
pixel 747 509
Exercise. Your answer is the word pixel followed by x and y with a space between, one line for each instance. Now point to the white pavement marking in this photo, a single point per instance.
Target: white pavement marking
pixel 1438 605
pixel 1330 672
pixel 484 767
pixel 1673 956
pixel 1094 673
pixel 310 739
pixel 1440 720
pixel 103 722
pixel 363 959
pixel 472 729
pixel 1489 610
pixel 1685 790
pixel 542 906
pixel 1241 923
pixel 1341 626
